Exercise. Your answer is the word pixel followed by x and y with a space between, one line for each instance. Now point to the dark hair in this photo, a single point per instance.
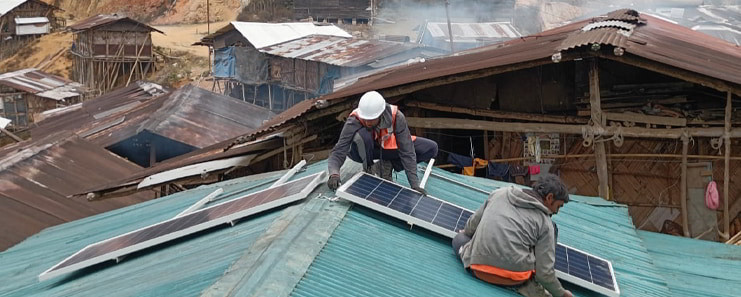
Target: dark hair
pixel 550 183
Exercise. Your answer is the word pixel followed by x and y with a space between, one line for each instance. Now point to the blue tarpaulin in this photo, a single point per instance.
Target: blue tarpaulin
pixel 224 62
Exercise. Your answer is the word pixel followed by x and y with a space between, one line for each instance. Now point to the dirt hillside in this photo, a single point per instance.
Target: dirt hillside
pixel 156 12
pixel 49 53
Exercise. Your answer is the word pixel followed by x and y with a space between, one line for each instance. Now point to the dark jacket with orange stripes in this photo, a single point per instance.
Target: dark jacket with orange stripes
pixel 392 123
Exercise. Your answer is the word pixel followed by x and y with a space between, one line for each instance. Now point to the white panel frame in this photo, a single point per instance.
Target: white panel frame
pixel 318 178
pixel 195 169
pixel 588 285
pixel 342 192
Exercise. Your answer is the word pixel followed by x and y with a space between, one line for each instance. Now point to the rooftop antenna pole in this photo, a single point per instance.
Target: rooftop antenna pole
pixel 450 30
pixel 208 32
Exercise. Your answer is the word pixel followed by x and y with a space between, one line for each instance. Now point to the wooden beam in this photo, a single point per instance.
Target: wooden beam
pixel 726 167
pixel 497 114
pixel 392 91
pixel 600 154
pixel 636 132
pixel 648 119
pixel 671 71
pixel 15 137
pixel 683 187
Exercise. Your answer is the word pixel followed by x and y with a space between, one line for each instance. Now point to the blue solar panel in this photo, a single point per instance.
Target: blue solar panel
pixel 408 202
pixel 447 219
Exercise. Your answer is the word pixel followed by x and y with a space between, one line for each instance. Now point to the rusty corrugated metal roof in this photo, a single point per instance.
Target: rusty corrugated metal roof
pixel 37 177
pixel 42 84
pixel 104 108
pixel 615 30
pixel 656 40
pixel 335 50
pixel 105 19
pixel 190 115
pixel 8 5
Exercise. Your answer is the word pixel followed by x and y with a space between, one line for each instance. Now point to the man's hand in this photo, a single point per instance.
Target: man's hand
pixel 334 182
pixel 418 189
pixel 567 293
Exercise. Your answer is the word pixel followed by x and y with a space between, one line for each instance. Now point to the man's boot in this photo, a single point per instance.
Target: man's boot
pixel 383 169
pixel 386 170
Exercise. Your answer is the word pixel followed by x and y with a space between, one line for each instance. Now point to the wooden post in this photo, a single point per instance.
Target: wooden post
pixel 486 145
pixel 610 171
pixel 599 147
pixel 726 168
pixel 683 187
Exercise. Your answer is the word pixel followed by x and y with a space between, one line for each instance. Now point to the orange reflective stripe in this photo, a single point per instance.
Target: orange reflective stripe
pixel 388 140
pixel 513 275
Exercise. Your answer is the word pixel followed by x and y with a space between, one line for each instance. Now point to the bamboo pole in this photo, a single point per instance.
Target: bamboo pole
pixel 619 156
pixel 683 188
pixel 137 55
pixel 637 132
pixel 726 168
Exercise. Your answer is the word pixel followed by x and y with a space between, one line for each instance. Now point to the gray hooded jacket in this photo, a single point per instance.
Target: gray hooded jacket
pixel 513 231
pixel 403 141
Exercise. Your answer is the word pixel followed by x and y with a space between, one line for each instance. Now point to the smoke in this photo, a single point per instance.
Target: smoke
pixel 400 17
pixel 528 16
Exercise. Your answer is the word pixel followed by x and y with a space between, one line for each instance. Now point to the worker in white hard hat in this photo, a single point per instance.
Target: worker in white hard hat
pixel 378 131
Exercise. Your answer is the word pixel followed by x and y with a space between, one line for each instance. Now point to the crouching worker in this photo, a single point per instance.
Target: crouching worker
pixel 378 131
pixel 511 241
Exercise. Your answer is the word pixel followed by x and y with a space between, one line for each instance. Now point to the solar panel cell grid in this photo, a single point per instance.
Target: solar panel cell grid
pixel 409 202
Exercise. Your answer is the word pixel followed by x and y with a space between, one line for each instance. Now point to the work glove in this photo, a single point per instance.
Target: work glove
pixel 419 189
pixel 334 182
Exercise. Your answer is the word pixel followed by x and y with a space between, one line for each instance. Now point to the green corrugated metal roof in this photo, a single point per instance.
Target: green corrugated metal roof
pixel 370 254
pixel 314 248
pixel 182 268
pixel 714 268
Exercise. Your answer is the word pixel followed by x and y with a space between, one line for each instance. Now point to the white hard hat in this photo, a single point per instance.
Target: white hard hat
pixel 371 106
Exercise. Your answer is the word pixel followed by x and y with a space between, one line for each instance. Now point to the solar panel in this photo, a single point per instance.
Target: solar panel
pixel 186 224
pixel 445 218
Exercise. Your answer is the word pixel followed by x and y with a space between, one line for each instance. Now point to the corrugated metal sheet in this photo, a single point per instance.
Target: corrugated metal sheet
pixel 8 5
pixel 36 20
pixel 182 268
pixel 266 34
pixel 37 177
pixel 368 254
pixel 105 19
pixel 4 122
pixel 714 271
pixel 190 115
pixel 41 84
pixel 337 50
pixel 121 100
pixel 464 32
pixel 32 29
pixel 656 40
pixel 615 29
pixel 201 118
